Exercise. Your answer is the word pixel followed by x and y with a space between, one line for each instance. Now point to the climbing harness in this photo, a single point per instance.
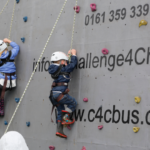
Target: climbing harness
pixel 4 7
pixel 66 77
pixel 62 94
pixel 5 83
pixel 59 97
pixel 3 91
pixel 58 72
pixel 4 61
pixel 36 66
pixel 73 30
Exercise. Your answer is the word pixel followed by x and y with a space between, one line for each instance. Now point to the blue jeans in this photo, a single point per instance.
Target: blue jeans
pixel 66 100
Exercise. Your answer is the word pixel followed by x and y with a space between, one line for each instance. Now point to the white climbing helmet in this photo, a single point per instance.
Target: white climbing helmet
pixel 13 140
pixel 3 45
pixel 58 56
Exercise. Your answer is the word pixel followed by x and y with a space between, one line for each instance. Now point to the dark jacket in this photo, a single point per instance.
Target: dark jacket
pixel 69 68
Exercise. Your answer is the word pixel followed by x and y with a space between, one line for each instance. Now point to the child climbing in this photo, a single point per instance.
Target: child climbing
pixel 7 69
pixel 60 70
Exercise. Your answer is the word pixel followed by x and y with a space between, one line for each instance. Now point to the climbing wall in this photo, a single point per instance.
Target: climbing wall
pixel 113 73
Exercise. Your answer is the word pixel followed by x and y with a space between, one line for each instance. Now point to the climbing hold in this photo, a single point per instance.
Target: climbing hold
pixel 17 1
pixel 85 99
pixel 105 51
pixel 77 8
pixel 23 39
pixel 5 122
pixel 28 124
pixel 25 18
pixel 68 127
pixel 143 22
pixel 136 129
pixel 137 99
pixel 100 127
pixel 17 100
pixel 52 147
pixel 83 148
pixel 93 7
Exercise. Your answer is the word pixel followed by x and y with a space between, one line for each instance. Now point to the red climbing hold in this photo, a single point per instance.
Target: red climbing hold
pixel 100 127
pixel 105 51
pixel 77 8
pixel 83 148
pixel 93 7
pixel 85 99
pixel 52 148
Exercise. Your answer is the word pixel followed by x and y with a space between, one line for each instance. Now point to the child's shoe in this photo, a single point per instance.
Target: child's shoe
pixel 60 132
pixel 66 119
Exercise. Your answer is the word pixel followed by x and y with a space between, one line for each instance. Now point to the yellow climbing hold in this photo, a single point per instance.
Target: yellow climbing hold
pixel 143 22
pixel 136 129
pixel 137 99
